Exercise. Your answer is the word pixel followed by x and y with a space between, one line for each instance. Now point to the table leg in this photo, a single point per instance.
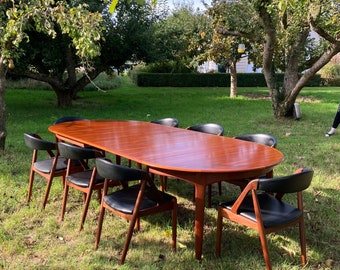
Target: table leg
pixel 199 219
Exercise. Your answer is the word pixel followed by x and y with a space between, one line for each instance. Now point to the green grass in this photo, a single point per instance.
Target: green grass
pixel 32 238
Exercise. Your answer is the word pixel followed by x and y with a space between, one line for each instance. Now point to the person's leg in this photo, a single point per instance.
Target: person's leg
pixel 336 123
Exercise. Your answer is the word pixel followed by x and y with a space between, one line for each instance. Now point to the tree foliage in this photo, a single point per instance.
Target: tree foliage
pixel 178 37
pixel 55 60
pixel 18 19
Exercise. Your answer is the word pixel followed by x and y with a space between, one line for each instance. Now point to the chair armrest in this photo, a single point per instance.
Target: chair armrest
pixel 252 185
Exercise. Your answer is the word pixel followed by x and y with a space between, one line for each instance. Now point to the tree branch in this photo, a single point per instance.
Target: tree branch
pixel 320 31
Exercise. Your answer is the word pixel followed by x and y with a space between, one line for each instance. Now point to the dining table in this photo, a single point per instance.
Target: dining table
pixel 198 158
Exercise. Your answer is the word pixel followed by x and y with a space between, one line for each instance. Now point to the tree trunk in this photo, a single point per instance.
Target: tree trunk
pixel 64 97
pixel 233 79
pixel 3 132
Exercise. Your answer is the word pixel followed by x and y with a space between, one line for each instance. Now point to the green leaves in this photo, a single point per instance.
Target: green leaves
pixel 82 26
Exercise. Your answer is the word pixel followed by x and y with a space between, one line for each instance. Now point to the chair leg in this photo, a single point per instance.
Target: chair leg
pixel 219 188
pixel 218 232
pixel 174 225
pixel 209 195
pixel 30 185
pixel 86 207
pixel 265 249
pixel 99 192
pixel 64 202
pixel 63 181
pixel 137 226
pixel 100 225
pixel 163 182
pixel 128 240
pixel 303 241
pixel 165 179
pixel 47 192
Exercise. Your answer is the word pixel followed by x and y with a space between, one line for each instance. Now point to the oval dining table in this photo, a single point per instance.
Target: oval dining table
pixel 198 158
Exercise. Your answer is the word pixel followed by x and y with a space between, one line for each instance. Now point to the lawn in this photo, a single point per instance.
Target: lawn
pixel 32 238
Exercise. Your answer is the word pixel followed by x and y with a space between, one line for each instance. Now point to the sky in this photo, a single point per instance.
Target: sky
pixel 194 3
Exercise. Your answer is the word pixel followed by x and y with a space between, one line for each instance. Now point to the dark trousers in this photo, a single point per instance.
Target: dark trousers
pixel 336 121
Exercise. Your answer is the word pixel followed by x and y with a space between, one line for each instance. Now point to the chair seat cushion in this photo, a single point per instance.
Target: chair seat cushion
pixel 82 179
pixel 46 165
pixel 274 211
pixel 124 200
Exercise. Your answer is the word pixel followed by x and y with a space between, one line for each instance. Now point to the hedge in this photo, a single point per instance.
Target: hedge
pixel 206 79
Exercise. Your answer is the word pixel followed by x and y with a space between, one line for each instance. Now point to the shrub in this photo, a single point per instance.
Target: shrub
pixel 205 79
pixel 330 74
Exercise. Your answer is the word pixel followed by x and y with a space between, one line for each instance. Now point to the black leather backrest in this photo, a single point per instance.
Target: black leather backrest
pixel 261 138
pixel 171 122
pixel 109 170
pixel 33 142
pixel 75 152
pixel 287 184
pixel 210 128
pixel 68 119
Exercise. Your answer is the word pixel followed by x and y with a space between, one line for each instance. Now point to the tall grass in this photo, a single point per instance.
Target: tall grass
pixel 32 238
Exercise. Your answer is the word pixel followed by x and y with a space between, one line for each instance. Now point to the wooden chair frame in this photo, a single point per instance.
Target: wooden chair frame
pixel 81 156
pixel 233 215
pixel 37 144
pixel 125 175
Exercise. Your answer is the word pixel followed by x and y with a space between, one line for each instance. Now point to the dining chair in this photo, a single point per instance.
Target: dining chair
pixel 170 122
pixel 81 177
pixel 215 129
pixel 50 166
pixel 260 207
pixel 68 119
pixel 210 128
pixel 261 138
pixel 139 199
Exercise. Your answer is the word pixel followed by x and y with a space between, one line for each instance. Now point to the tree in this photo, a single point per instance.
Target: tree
pixel 283 39
pixel 54 60
pixel 295 23
pixel 178 38
pixel 223 48
pixel 17 17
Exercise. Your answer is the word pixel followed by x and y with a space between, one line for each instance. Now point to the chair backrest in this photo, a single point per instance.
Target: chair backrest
pixel 287 184
pixel 68 119
pixel 34 141
pixel 261 138
pixel 74 152
pixel 109 170
pixel 210 128
pixel 170 122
